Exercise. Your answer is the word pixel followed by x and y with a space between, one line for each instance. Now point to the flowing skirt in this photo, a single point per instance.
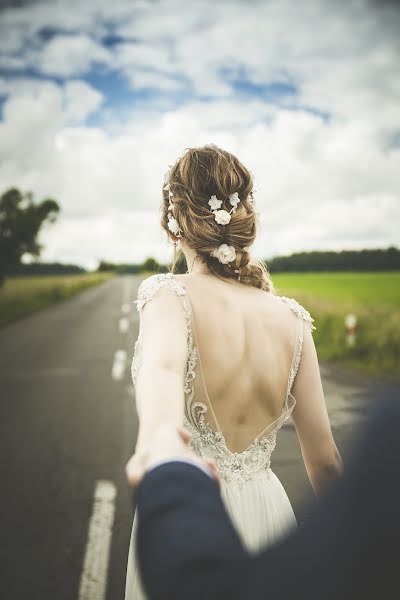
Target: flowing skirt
pixel 259 509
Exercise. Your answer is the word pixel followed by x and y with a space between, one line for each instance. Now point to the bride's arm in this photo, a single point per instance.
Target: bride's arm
pixel 159 380
pixel 320 454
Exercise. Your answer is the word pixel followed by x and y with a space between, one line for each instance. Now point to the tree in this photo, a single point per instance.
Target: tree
pixel 20 222
pixel 104 265
pixel 150 264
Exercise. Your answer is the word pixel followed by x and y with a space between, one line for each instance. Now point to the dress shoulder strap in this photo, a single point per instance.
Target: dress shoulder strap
pixel 147 290
pixel 150 286
pixel 298 349
pixel 298 310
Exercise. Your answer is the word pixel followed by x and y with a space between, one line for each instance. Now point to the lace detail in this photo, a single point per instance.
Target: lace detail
pixel 232 466
pixel 152 284
pixel 298 310
pixel 295 364
pixel 136 360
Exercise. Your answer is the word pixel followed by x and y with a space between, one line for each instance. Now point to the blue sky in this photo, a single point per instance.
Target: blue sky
pixel 98 98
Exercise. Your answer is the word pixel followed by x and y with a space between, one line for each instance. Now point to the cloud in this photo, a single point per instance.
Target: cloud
pixel 144 55
pixel 326 165
pixel 315 181
pixel 153 80
pixel 67 55
pixel 80 100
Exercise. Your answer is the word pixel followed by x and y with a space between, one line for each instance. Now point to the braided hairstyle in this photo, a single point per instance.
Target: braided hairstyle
pixel 196 176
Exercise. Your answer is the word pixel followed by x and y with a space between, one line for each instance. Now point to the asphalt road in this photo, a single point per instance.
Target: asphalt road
pixel 68 422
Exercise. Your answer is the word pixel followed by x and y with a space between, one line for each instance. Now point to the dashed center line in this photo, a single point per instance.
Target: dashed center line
pixel 119 364
pixel 123 324
pixel 93 582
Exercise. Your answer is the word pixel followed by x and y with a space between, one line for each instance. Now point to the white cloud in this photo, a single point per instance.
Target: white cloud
pixel 322 183
pixel 34 114
pixel 344 60
pixel 67 55
pixel 146 80
pixel 81 100
pixel 141 55
pixel 146 66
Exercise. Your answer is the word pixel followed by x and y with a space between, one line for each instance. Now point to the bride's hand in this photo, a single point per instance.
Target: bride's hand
pixel 166 443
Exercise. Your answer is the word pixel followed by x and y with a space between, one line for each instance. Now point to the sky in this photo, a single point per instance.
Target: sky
pixel 97 98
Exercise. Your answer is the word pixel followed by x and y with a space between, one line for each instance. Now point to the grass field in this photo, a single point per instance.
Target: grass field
pixel 21 296
pixel 375 300
pixel 373 297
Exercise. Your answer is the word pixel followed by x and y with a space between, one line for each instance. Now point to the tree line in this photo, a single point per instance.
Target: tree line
pixel 346 260
pixel 21 220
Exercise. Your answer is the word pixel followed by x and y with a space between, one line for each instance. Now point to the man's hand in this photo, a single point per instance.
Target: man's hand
pixel 166 444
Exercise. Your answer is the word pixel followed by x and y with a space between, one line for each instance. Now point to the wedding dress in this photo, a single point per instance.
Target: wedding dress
pixel 253 495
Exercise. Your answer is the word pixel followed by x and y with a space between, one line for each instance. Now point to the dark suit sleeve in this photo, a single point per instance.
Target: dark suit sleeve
pixel 185 539
pixel 188 547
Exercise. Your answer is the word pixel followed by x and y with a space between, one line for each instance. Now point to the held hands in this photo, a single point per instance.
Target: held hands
pixel 167 443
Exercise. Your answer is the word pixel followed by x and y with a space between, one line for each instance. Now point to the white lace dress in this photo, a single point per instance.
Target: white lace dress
pixel 253 495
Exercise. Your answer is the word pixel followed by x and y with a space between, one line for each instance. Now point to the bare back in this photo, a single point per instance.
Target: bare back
pixel 247 361
pixel 246 340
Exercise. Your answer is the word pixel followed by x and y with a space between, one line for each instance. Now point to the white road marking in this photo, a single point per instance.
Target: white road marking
pixel 123 324
pixel 119 364
pixel 126 308
pixel 95 566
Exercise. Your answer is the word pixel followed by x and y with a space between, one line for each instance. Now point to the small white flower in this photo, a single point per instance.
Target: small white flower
pixel 173 225
pixel 214 203
pixel 234 199
pixel 224 253
pixel 222 217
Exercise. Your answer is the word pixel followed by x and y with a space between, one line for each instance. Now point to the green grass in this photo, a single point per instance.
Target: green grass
pixel 21 296
pixel 373 297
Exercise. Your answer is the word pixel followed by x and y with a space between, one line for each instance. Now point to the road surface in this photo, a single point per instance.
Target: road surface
pixel 68 426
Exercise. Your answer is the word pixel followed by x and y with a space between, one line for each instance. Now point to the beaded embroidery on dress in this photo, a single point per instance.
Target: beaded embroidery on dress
pixel 253 495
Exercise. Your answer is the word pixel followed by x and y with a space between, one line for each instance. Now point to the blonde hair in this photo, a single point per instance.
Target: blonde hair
pixel 197 175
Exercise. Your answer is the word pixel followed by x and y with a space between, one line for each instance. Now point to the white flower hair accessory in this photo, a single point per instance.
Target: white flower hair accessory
pixel 234 200
pixel 224 253
pixel 221 215
pixel 173 226
pixel 167 186
pixel 214 203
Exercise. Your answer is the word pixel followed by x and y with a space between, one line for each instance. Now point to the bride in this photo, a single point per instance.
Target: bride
pixel 222 354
